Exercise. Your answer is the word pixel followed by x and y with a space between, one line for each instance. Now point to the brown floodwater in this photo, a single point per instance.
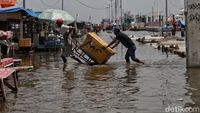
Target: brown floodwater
pixel 116 87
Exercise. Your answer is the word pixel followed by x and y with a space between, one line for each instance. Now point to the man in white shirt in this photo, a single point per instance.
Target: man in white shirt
pixel 66 31
pixel 67 48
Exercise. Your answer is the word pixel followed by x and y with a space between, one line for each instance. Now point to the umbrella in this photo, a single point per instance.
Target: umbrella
pixel 54 14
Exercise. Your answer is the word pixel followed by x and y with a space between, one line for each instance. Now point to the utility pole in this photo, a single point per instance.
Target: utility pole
pixel 62 5
pixel 111 10
pixel 108 11
pixel 24 4
pixel 152 18
pixel 121 12
pixel 116 4
pixel 166 11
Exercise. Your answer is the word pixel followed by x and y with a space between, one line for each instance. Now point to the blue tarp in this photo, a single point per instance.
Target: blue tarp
pixel 13 10
pixel 181 24
pixel 166 27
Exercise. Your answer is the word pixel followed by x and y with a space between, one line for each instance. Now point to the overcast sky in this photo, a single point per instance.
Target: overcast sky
pixel 74 7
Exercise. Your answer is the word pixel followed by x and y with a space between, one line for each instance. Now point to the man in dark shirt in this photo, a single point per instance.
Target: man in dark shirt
pixel 127 42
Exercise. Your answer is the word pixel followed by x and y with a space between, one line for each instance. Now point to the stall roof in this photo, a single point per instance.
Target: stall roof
pixel 13 10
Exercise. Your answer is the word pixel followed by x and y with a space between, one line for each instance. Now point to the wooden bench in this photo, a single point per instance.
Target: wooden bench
pixel 8 67
pixel 5 73
pixel 6 62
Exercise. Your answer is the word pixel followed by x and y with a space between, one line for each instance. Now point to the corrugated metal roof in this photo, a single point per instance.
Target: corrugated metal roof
pixel 13 10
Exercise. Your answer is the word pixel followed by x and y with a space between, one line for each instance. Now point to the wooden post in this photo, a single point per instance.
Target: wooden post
pixel 3 89
pixel 15 80
pixel 21 28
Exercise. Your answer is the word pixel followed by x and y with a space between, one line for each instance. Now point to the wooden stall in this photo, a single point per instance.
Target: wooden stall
pixel 23 23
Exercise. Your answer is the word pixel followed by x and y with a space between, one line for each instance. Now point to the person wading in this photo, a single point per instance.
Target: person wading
pixel 127 42
pixel 66 31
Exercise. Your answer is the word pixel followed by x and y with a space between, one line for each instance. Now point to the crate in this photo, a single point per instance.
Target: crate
pixel 93 47
pixel 25 42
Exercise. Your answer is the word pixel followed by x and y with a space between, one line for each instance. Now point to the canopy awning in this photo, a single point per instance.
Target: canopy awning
pixel 14 10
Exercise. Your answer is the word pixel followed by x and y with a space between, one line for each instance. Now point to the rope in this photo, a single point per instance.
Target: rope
pixel 90 6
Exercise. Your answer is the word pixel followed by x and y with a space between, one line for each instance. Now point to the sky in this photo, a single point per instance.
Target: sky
pixel 96 9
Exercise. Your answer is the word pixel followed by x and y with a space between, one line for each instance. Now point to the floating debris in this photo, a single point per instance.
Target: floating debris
pixel 169 44
pixel 180 99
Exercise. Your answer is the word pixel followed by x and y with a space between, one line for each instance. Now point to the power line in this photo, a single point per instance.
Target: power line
pixel 51 5
pixel 172 4
pixel 90 6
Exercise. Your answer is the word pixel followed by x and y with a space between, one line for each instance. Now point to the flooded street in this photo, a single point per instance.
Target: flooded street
pixel 116 87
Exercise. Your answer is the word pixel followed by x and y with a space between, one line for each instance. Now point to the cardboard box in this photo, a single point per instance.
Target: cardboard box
pixel 93 47
pixel 25 42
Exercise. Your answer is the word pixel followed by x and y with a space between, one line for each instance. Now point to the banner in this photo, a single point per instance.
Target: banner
pixel 7 3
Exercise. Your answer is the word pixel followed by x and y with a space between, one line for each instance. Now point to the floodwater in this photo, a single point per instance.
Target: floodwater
pixel 158 86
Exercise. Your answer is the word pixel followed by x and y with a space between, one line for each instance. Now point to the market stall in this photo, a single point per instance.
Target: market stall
pixel 23 23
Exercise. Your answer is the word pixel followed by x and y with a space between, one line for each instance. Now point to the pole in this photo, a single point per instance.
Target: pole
pixel 152 20
pixel 168 32
pixel 107 11
pixel 111 11
pixel 121 12
pixel 75 24
pixel 62 5
pixel 116 4
pixel 24 4
pixel 186 35
pixel 166 11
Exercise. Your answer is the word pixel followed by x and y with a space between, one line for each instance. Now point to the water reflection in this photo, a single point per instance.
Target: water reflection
pixel 3 106
pixel 64 66
pixel 194 86
pixel 101 73
pixel 41 59
pixel 126 88
pixel 68 73
pixel 27 59
pixel 131 73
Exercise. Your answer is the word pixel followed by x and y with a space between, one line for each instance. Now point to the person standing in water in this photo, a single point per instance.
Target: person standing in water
pixel 127 42
pixel 66 31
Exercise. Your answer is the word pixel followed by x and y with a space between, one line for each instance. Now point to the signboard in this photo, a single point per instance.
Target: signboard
pixel 192 8
pixel 7 3
pixel 7 16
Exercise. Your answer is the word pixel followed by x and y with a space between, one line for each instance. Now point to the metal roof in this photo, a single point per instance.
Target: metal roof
pixel 13 10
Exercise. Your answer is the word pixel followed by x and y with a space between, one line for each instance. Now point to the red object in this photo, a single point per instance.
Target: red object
pixel 59 21
pixel 6 62
pixel 5 72
pixel 174 23
pixel 7 3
